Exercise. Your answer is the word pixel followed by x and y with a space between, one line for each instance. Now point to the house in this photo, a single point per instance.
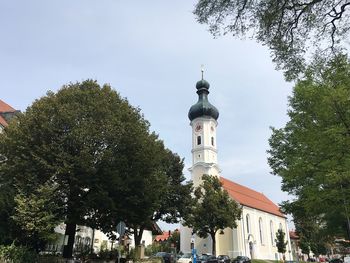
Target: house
pixel 6 114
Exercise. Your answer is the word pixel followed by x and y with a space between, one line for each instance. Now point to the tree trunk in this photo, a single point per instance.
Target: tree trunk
pixel 214 243
pixel 138 236
pixel 70 232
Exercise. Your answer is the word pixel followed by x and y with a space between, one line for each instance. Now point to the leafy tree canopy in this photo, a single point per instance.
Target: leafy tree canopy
pixel 74 139
pixel 311 153
pixel 212 210
pixel 151 189
pixel 289 28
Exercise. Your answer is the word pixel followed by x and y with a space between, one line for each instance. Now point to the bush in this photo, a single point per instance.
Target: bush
pixel 17 254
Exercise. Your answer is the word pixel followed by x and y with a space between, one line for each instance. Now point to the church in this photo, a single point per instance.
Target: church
pixel 255 234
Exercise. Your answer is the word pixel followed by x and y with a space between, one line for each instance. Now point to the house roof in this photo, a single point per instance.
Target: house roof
pixel 250 198
pixel 164 236
pixel 4 110
pixel 293 235
pixel 4 107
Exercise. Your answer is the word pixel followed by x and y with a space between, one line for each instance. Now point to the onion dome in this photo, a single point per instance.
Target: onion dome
pixel 203 107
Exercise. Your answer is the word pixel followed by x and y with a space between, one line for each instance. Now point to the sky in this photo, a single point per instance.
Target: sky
pixel 151 52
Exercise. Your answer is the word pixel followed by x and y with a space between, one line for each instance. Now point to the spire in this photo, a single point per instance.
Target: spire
pixel 203 106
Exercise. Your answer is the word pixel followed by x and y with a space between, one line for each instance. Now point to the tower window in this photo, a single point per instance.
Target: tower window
pixel 212 141
pixel 261 230
pixel 248 223
pixel 271 233
pixel 199 140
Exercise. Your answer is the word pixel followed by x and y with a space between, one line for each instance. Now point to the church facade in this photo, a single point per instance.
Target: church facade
pixel 256 230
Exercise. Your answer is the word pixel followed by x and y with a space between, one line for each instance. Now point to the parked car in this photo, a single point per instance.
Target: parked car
pixel 206 258
pixel 336 260
pixel 185 258
pixel 167 257
pixel 224 259
pixel 241 259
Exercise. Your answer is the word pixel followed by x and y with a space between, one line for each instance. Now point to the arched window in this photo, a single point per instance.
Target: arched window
pixel 271 233
pixel 199 140
pixel 212 141
pixel 261 230
pixel 248 223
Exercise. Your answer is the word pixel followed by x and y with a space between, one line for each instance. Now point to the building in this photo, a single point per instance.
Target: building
pixel 84 237
pixel 6 114
pixel 261 218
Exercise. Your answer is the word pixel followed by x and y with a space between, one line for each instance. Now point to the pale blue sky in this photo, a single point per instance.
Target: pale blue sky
pixel 150 52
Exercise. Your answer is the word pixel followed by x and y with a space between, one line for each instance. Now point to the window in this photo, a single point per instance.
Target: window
pixel 248 223
pixel 212 141
pixel 261 230
pixel 271 233
pixel 199 140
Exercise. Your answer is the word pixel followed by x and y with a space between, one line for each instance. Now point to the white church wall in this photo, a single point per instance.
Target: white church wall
pixel 185 239
pixel 262 246
pixel 146 239
pixel 224 242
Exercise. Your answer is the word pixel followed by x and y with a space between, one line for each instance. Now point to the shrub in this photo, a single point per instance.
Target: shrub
pixel 17 254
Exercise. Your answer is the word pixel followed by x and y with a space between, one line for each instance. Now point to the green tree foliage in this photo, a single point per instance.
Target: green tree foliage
pixel 8 228
pixel 78 139
pixel 288 28
pixel 281 244
pixel 151 189
pixel 174 240
pixel 310 228
pixel 35 215
pixel 17 254
pixel 312 152
pixel 212 210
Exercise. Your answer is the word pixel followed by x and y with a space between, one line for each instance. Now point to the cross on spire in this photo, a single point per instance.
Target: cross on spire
pixel 202 69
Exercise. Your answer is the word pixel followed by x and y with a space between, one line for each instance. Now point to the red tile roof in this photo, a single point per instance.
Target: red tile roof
pixel 164 236
pixel 293 235
pixel 4 107
pixel 248 197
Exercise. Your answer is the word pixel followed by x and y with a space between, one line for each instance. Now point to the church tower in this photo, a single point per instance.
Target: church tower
pixel 203 117
pixel 203 120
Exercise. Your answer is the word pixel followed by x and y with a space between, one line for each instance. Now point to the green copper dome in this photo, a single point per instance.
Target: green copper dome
pixel 203 107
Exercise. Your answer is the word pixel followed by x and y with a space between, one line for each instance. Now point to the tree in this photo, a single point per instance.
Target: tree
pixel 212 210
pixel 313 235
pixel 151 189
pixel 288 28
pixel 8 228
pixel 281 244
pixel 75 138
pixel 174 239
pixel 311 153
pixel 35 215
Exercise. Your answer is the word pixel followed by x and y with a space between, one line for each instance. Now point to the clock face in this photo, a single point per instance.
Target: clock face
pixel 198 128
